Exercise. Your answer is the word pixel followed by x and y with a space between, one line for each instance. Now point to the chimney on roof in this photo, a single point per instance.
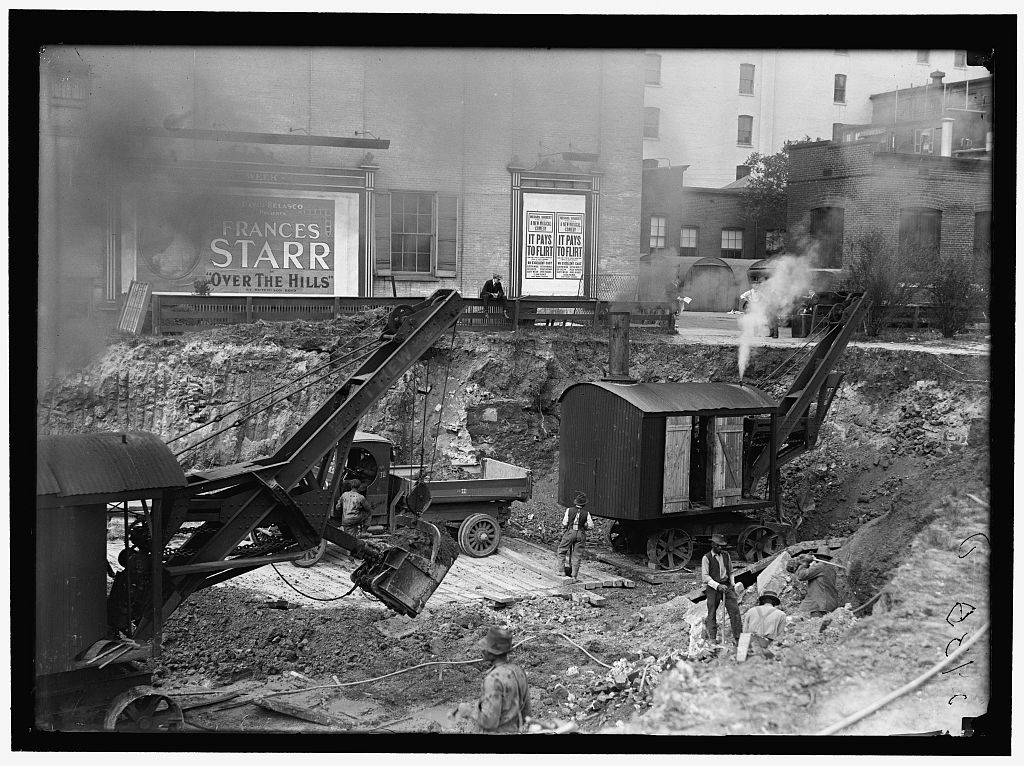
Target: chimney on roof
pixel 937 77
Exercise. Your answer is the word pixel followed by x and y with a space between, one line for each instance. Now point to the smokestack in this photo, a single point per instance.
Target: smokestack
pixel 618 347
pixel 937 77
pixel 946 142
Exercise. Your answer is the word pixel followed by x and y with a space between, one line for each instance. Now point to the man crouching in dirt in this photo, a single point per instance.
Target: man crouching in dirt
pixel 766 620
pixel 716 572
pixel 575 524
pixel 504 705
pixel 822 595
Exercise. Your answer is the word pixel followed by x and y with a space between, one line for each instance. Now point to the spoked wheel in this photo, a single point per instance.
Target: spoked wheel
pixel 669 548
pixel 143 709
pixel 617 537
pixel 311 556
pixel 757 542
pixel 479 535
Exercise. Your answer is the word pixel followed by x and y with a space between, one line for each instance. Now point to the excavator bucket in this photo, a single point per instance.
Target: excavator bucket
pixel 405 575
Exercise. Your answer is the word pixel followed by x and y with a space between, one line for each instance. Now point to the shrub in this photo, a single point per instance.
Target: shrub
pixel 884 274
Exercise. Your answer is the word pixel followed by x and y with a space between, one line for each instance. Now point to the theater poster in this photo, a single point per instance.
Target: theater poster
pixel 246 243
pixel 554 231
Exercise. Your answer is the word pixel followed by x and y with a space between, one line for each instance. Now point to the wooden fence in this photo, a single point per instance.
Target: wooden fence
pixel 173 313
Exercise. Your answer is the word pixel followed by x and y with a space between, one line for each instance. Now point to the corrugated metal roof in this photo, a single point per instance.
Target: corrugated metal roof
pixel 671 398
pixel 101 463
pixel 364 436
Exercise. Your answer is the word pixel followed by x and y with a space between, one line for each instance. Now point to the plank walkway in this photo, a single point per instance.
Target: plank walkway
pixel 517 570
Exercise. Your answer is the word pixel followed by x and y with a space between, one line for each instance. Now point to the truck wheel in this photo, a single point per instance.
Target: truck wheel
pixel 479 535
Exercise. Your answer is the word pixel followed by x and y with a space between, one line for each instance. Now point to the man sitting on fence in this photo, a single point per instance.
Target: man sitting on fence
pixel 493 292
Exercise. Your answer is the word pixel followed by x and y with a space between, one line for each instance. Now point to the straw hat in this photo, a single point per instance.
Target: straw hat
pixel 770 594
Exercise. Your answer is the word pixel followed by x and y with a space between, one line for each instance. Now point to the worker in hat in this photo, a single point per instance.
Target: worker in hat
pixel 493 292
pixel 766 619
pixel 719 585
pixel 504 705
pixel 822 595
pixel 575 524
pixel 355 509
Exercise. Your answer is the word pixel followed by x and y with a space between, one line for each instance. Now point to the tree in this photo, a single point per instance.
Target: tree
pixel 885 274
pixel 765 196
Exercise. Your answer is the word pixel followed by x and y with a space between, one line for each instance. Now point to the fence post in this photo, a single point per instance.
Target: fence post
pixel 248 309
pixel 156 314
pixel 335 307
pixel 515 315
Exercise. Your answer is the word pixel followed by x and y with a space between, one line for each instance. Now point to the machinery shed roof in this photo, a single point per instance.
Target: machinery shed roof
pixel 104 463
pixel 673 398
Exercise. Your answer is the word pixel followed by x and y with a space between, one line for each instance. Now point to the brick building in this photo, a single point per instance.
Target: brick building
pixel 840 192
pixel 700 221
pixel 333 171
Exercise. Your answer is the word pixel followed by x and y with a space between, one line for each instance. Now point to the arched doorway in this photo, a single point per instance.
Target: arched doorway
pixel 711 285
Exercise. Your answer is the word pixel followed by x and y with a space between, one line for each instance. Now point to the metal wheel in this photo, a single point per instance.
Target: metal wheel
pixel 617 537
pixel 479 535
pixel 142 708
pixel 669 548
pixel 311 556
pixel 757 542
pixel 398 313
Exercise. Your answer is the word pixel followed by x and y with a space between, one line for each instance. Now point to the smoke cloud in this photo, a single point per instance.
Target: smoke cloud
pixel 790 280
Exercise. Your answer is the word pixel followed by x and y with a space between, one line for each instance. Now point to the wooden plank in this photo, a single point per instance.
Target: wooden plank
pixel 676 480
pixel 742 647
pixel 136 304
pixel 295 711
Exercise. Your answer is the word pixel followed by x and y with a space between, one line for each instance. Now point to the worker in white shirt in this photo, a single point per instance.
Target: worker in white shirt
pixel 716 574
pixel 575 524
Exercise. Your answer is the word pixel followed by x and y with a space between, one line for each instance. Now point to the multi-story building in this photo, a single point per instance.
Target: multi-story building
pixel 356 172
pixel 709 109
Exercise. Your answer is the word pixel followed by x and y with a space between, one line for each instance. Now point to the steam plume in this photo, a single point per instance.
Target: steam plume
pixel 791 279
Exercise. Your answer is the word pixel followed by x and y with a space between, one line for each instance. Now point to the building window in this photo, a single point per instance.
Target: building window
pixel 923 141
pixel 774 241
pixel 747 79
pixel 922 57
pixel 652 69
pixel 982 236
pixel 839 89
pixel 688 240
pixel 745 130
pixel 742 171
pixel 658 225
pixel 732 243
pixel 415 233
pixel 652 115
pixel 920 230
pixel 960 59
pixel 827 234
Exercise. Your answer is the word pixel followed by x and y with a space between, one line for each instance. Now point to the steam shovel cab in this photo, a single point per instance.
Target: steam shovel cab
pixel 671 464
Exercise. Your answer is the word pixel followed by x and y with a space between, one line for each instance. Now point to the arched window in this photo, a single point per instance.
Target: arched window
pixel 827 233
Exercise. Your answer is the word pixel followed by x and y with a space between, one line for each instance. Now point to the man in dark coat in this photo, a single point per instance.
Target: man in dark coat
pixel 716 574
pixel 493 292
pixel 822 595
pixel 504 705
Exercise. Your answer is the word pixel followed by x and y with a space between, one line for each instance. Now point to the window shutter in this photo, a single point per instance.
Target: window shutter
pixel 447 235
pixel 382 234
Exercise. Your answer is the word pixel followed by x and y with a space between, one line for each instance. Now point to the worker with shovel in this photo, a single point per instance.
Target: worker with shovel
pixel 504 706
pixel 716 573
pixel 819 573
pixel 575 524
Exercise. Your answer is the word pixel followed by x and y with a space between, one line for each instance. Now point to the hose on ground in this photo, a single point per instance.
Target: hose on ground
pixel 852 719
